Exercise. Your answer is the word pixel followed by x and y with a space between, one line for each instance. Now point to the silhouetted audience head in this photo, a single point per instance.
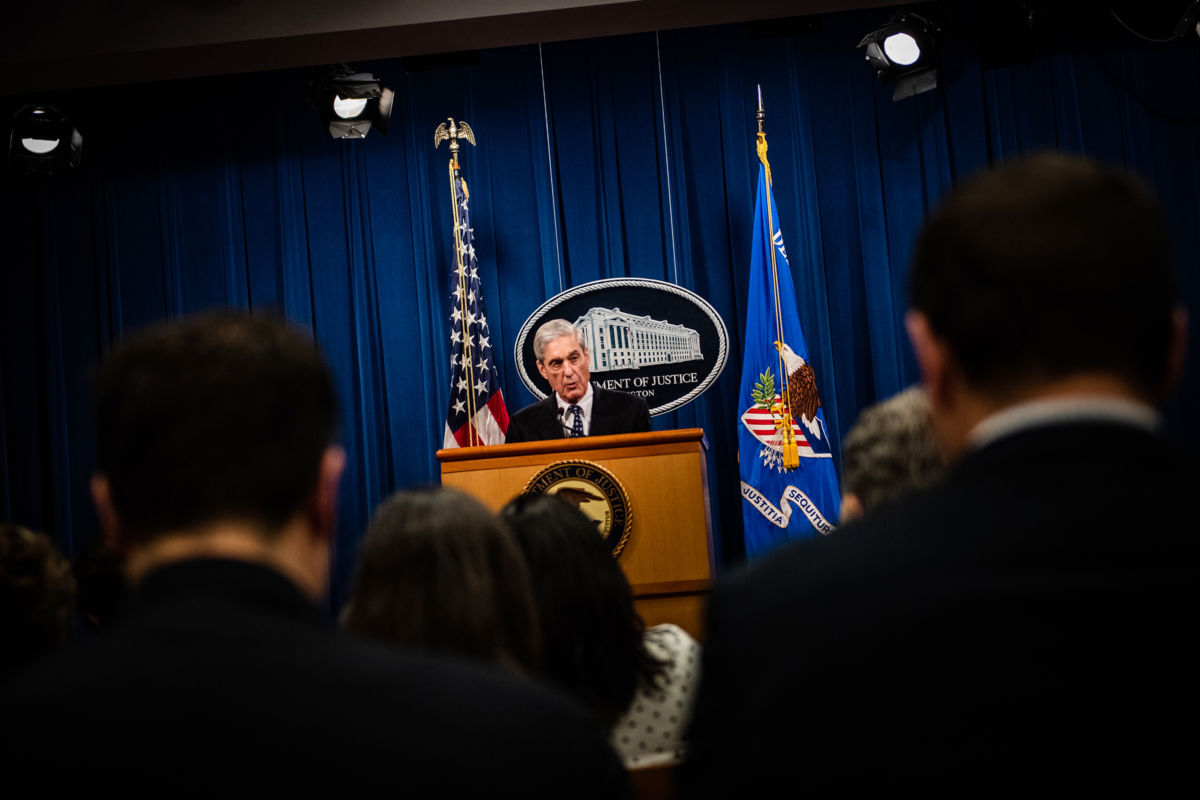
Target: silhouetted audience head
pixel 37 593
pixel 591 633
pixel 101 580
pixel 1046 266
pixel 890 450
pixel 216 417
pixel 438 570
pixel 1045 269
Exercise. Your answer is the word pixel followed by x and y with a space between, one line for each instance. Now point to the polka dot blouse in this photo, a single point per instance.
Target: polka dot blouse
pixel 652 729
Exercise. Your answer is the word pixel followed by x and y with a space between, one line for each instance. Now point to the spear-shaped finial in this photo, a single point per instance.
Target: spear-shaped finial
pixel 453 133
pixel 760 114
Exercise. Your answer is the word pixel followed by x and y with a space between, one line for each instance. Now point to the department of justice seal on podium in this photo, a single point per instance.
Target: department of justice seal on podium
pixel 593 490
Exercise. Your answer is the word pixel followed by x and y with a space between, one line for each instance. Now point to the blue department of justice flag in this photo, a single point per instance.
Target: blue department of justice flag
pixel 779 391
pixel 477 414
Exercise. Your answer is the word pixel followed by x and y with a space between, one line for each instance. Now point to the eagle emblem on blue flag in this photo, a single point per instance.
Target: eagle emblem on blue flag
pixel 789 483
pixel 765 419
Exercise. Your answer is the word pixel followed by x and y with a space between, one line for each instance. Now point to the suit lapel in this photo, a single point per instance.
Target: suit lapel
pixel 602 420
pixel 554 429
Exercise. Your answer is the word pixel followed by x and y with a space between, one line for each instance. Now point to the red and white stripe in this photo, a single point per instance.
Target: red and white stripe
pixel 761 423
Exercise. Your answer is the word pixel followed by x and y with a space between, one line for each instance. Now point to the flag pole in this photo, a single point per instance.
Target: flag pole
pixel 453 134
pixel 464 312
pixel 791 453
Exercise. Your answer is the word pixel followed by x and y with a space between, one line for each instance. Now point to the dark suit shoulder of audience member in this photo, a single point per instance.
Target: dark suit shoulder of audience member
pixel 245 679
pixel 101 579
pixel 437 570
pixel 1018 624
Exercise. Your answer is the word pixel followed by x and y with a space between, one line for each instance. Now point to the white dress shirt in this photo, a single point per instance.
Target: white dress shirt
pixel 1057 411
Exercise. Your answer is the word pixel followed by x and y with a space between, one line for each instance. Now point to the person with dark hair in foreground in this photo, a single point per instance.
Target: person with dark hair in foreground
pixel 638 683
pixel 217 478
pixel 1024 625
pixel 437 570
pixel 37 592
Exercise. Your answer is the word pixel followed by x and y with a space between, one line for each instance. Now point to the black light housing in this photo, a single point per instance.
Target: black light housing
pixel 1189 20
pixel 903 52
pixel 350 103
pixel 43 141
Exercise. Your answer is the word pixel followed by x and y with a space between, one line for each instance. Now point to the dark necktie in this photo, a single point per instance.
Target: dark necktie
pixel 577 425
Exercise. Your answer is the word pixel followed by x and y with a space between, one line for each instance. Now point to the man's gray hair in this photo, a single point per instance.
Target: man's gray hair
pixel 547 332
pixel 891 449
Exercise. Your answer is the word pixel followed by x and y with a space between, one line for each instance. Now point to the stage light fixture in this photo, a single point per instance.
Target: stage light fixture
pixel 350 103
pixel 43 141
pixel 903 53
pixel 1189 20
pixel 1161 22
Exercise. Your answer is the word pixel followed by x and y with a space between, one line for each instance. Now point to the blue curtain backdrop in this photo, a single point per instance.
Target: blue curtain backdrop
pixel 637 159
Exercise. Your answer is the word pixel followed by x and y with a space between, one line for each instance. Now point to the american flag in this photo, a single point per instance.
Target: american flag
pixel 476 415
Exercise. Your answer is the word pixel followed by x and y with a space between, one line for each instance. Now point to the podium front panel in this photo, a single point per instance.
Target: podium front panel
pixel 668 555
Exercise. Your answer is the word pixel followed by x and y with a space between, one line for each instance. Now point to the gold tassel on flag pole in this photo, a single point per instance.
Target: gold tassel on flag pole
pixel 791 453
pixel 454 133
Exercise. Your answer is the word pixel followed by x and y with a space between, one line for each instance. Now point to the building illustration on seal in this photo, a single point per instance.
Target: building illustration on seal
pixel 617 339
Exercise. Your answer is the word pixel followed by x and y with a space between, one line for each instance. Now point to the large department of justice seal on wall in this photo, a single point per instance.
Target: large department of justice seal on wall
pixel 593 490
pixel 645 337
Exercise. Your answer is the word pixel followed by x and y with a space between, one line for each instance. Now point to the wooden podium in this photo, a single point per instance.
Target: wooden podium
pixel 668 555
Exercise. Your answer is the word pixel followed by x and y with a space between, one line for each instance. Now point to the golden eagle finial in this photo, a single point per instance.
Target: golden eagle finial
pixel 453 133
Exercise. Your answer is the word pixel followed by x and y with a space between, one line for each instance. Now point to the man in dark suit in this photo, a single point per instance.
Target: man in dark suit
pixel 576 407
pixel 218 480
pixel 1027 623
